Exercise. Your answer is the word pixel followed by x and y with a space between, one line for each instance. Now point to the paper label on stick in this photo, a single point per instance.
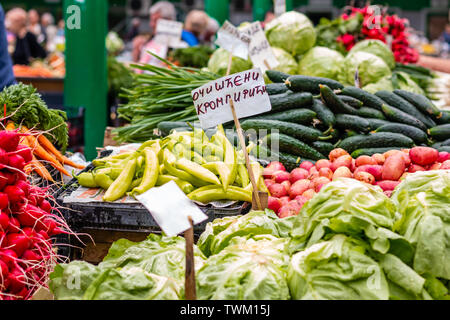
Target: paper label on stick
pixel 246 89
pixel 168 32
pixel 170 208
pixel 279 7
pixel 233 40
pixel 259 49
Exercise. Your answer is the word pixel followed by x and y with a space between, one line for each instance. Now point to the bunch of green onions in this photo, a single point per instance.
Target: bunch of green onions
pixel 159 94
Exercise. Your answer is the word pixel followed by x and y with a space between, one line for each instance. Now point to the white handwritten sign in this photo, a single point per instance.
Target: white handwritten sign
pixel 247 90
pixel 168 32
pixel 171 208
pixel 233 40
pixel 259 49
pixel 279 7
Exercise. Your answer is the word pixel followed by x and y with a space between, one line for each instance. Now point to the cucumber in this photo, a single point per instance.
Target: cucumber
pixel 276 88
pixel 441 132
pixel 445 117
pixel 324 114
pixel 414 133
pixel 445 143
pixel 336 134
pixel 323 147
pixel 288 160
pixel 350 133
pixel 165 127
pixel 376 123
pixel 301 116
pixel 367 112
pixel 301 83
pixel 277 76
pixel 376 140
pixel 371 151
pixel 295 130
pixel 420 102
pixel 397 115
pixel 292 146
pixel 347 121
pixel 398 102
pixel 353 102
pixel 444 149
pixel 286 101
pixel 367 98
pixel 334 103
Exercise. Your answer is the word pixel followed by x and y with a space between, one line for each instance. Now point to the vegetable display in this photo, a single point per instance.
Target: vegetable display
pixel 28 220
pixel 205 169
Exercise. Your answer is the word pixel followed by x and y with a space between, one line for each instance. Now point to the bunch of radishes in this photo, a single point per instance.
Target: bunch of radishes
pixel 290 191
pixel 27 223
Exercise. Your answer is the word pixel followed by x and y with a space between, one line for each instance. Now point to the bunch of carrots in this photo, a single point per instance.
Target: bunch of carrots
pixel 43 151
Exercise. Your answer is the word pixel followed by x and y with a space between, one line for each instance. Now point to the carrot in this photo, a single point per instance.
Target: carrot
pixel 40 169
pixel 51 149
pixel 39 151
pixel 10 126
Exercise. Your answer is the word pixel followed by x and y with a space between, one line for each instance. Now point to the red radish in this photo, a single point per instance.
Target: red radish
pixel 387 185
pixel 301 200
pixel 11 178
pixel 342 172
pixel 24 186
pixel 273 167
pixel 16 161
pixel 319 182
pixel 307 165
pixel 25 152
pixel 375 170
pixel 15 194
pixel 379 158
pixel 313 173
pixel 269 182
pixel 280 176
pixel 9 140
pixel 336 153
pixel 277 190
pixel 4 270
pixel 309 194
pixel 43 235
pixel 17 280
pixel 365 177
pixel 291 209
pixel 287 185
pixel 445 165
pixel 3 181
pixel 9 257
pixel 46 206
pixel 415 167
pixel 30 255
pixel 298 174
pixel 365 160
pixel 326 172
pixel 14 225
pixel 298 188
pixel 393 167
pixel 435 166
pixel 274 204
pixel 4 201
pixel 343 161
pixel 423 155
pixel 443 156
pixel 4 160
pixel 18 242
pixel 323 163
pixel 4 221
pixel 284 200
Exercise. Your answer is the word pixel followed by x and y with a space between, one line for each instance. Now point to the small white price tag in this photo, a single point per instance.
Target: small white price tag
pixel 233 40
pixel 247 90
pixel 168 32
pixel 171 209
pixel 279 7
pixel 259 49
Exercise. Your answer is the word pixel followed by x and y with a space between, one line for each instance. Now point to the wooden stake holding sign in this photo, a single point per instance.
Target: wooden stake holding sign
pixel 189 281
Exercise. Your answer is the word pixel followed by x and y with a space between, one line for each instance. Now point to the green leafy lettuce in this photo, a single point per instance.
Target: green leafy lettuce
pixel 287 63
pixel 291 31
pixel 377 48
pixel 321 62
pixel 218 63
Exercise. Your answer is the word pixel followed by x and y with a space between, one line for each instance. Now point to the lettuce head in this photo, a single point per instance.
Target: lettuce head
pixel 218 63
pixel 378 48
pixel 321 62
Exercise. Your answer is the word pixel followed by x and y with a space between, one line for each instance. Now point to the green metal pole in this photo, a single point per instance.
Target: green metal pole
pixel 289 5
pixel 260 8
pixel 218 9
pixel 86 83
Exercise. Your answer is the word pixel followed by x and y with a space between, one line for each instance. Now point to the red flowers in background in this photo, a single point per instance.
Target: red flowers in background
pixel 379 25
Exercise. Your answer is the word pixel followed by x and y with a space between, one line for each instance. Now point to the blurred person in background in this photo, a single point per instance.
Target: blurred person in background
pixel 160 10
pixel 134 31
pixel 195 25
pixel 26 44
pixel 50 31
pixel 6 70
pixel 208 37
pixel 61 25
pixel 34 25
pixel 445 37
pixel 268 17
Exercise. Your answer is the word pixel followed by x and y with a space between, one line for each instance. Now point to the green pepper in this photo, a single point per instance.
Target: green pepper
pixel 135 184
pixel 120 186
pixel 243 175
pixel 183 185
pixel 230 157
pixel 210 159
pixel 214 193
pixel 262 185
pixel 111 159
pixel 86 179
pixel 197 171
pixel 103 180
pixel 221 169
pixel 146 144
pixel 151 172
pixel 169 165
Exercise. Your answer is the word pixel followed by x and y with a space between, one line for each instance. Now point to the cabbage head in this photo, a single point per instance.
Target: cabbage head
pixel 371 68
pixel 218 63
pixel 291 31
pixel 321 62
pixel 384 83
pixel 287 63
pixel 404 82
pixel 378 48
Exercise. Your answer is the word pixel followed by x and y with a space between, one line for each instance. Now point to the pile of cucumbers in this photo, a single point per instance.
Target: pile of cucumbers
pixel 345 117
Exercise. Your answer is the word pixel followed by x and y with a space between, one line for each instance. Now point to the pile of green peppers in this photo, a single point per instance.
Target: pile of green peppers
pixel 205 169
